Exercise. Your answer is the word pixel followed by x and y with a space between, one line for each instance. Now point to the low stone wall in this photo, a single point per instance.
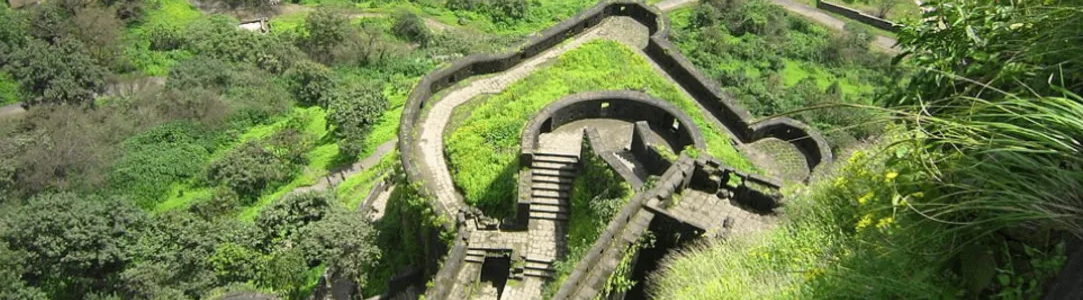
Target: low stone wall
pixel 660 50
pixel 590 274
pixel 858 15
pixel 594 140
pixel 621 105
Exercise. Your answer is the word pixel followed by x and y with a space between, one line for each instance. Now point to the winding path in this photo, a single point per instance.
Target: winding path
pixel 886 44
pixel 431 142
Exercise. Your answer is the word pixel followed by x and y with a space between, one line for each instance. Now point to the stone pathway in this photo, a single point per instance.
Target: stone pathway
pixel 431 142
pixel 710 212
pixel 338 176
pixel 883 43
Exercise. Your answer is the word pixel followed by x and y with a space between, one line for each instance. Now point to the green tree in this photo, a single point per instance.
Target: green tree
pixel 13 34
pixel 310 83
pixel 248 170
pixel 235 263
pixel 285 218
pixel 75 245
pixel 345 241
pixel 200 72
pixel 285 271
pixel 99 30
pixel 60 73
pixel 411 27
pixel 327 29
pixel 353 112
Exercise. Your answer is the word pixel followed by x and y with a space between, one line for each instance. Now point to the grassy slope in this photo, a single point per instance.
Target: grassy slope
pixel 175 14
pixel 482 153
pixel 9 89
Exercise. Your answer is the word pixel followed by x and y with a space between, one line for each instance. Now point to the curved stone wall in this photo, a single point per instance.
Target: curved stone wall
pixel 632 220
pixel 620 105
pixel 658 49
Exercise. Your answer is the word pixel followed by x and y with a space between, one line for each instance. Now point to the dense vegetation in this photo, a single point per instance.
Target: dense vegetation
pixel 957 200
pixel 775 63
pixel 189 135
pixel 482 152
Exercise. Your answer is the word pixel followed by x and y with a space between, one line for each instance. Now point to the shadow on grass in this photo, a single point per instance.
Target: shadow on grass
pixel 499 198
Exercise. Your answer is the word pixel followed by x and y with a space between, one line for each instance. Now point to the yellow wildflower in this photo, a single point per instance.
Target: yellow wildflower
pixel 891 176
pixel 865 199
pixel 839 182
pixel 865 222
pixel 885 222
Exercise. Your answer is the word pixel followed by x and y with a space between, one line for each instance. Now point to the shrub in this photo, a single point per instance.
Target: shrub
pixel 310 83
pixel 284 219
pixel 344 241
pixel 58 73
pixel 412 28
pixel 353 112
pixel 200 72
pixel 165 38
pixel 249 170
pixel 154 160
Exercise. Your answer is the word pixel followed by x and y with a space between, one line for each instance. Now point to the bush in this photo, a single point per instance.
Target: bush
pixel 412 28
pixel 165 38
pixel 200 72
pixel 219 38
pixel 284 219
pixel 353 111
pixel 58 73
pixel 249 170
pixel 154 160
pixel 310 83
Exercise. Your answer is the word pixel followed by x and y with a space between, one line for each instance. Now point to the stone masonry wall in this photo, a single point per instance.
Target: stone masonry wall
pixel 857 15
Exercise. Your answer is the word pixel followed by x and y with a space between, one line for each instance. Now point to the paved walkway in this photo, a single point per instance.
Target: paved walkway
pixel 883 43
pixel 431 142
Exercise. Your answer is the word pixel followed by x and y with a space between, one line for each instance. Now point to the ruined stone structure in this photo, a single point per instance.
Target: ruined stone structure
pixel 699 195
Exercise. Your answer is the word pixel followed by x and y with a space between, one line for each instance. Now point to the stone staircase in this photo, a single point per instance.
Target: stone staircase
pixel 552 174
pixel 538 268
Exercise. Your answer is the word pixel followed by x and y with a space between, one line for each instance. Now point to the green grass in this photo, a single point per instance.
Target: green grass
pixel 176 14
pixel 354 189
pixel 482 153
pixel 9 89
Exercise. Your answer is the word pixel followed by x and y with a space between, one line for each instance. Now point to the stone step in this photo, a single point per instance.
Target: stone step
pixel 475 259
pixel 547 201
pixel 555 158
pixel 547 172
pixel 538 273
pixel 553 166
pixel 552 179
pixel 548 216
pixel 550 186
pixel 572 152
pixel 549 208
pixel 532 265
pixel 475 252
pixel 550 194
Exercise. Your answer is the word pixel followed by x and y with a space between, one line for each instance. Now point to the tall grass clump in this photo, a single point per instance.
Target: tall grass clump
pixel 972 195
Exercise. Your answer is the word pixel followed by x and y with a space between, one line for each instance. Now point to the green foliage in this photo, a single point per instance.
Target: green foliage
pixel 285 218
pixel 153 160
pixel 482 152
pixel 353 111
pixel 73 243
pixel 218 37
pixel 9 89
pixel 598 194
pixel 249 170
pixel 310 83
pixel 235 263
pixel 411 27
pixel 327 28
pixel 59 73
pixel 344 241
pixel 786 64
